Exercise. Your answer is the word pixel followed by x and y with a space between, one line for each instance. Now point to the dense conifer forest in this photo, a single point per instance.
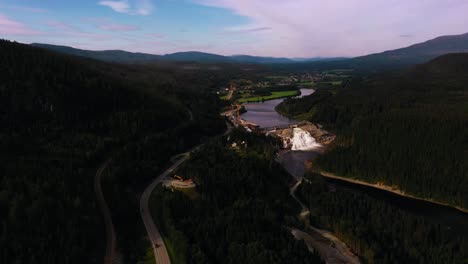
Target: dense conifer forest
pixel 377 231
pixel 407 129
pixel 138 163
pixel 61 117
pixel 240 209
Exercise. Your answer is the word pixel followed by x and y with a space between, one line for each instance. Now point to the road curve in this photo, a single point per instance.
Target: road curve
pixel 109 257
pixel 159 248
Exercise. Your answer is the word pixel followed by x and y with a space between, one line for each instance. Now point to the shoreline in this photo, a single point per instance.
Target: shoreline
pixel 389 189
pixel 330 248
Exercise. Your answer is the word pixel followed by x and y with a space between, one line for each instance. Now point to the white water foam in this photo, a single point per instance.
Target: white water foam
pixel 303 140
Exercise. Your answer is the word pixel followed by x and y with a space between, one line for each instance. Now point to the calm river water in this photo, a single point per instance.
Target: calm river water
pixel 264 114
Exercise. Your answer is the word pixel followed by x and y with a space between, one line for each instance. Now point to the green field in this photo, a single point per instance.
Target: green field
pixel 274 95
pixel 332 82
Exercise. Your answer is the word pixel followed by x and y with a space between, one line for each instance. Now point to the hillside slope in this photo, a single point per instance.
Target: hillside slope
pixel 418 53
pixel 407 129
pixel 188 56
pixel 61 116
pixel 105 55
pixel 392 59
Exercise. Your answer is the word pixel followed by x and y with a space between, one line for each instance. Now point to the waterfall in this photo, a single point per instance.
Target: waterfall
pixel 303 140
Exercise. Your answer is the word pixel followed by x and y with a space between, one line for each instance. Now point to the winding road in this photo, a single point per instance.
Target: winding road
pixel 161 254
pixel 110 256
pixel 159 247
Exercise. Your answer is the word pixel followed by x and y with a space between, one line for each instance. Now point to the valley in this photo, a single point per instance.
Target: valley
pixel 295 163
pixel 122 144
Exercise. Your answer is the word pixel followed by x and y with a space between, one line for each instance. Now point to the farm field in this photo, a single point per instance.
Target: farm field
pixel 274 95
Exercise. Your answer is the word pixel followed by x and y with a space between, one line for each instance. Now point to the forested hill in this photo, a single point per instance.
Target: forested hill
pixel 392 59
pixel 40 87
pixel 105 55
pixel 188 56
pixel 407 129
pixel 62 116
pixel 450 66
pixel 417 53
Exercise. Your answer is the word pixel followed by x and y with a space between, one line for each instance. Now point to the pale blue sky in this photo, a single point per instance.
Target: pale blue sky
pixel 292 28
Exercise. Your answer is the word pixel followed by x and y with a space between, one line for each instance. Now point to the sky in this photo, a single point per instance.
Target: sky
pixel 278 28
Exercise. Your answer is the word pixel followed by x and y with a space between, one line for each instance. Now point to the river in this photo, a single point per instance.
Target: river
pixel 264 114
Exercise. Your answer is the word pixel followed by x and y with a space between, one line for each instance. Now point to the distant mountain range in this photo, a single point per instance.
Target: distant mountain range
pixel 394 59
pixel 415 54
pixel 192 56
pixel 418 53
pixel 105 55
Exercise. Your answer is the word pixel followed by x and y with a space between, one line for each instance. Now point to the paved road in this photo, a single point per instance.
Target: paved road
pixel 110 256
pixel 159 248
pixel 229 96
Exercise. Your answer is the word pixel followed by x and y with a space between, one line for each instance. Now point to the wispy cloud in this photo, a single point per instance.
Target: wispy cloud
pixel 344 28
pixel 136 7
pixel 155 35
pixel 144 7
pixel 15 28
pixel 117 6
pixel 406 35
pixel 108 25
pixel 246 29
pixel 118 27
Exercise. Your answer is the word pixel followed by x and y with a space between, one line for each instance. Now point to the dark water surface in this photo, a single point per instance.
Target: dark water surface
pixel 294 161
pixel 452 220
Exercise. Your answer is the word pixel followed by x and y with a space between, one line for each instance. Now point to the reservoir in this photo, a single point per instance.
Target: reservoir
pixel 264 114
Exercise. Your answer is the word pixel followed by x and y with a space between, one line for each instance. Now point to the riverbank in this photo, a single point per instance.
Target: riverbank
pixel 394 190
pixel 448 222
pixel 330 248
